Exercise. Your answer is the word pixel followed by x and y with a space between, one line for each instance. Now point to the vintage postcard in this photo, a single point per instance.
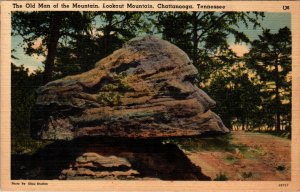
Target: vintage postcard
pixel 150 96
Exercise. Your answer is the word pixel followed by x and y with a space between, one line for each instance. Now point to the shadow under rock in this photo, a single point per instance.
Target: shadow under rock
pixel 101 158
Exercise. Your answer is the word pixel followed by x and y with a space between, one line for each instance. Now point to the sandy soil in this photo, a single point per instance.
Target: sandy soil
pixel 264 157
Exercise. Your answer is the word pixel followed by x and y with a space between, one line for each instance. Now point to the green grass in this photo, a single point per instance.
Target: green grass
pixel 218 143
pixel 282 134
pixel 251 153
pixel 221 177
pixel 199 144
pixel 230 159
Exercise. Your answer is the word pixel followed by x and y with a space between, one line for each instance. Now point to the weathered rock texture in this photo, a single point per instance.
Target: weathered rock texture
pixel 145 89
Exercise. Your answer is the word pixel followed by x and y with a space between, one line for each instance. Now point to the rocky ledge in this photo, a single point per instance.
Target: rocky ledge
pixel 144 90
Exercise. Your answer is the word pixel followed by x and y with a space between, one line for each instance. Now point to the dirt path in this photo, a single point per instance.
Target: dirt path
pixel 254 156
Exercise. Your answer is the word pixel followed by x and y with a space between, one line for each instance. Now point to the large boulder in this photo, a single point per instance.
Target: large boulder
pixel 144 90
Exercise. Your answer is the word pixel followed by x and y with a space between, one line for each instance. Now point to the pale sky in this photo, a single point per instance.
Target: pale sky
pixel 272 21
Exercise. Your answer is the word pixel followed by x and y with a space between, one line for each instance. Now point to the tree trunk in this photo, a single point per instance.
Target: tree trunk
pixel 107 31
pixel 247 123
pixel 52 45
pixel 195 38
pixel 277 96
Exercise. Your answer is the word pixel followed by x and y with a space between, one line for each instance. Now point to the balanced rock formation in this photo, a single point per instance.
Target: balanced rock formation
pixel 144 90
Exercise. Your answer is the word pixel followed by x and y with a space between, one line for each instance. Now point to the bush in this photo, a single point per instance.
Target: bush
pixel 221 177
pixel 247 175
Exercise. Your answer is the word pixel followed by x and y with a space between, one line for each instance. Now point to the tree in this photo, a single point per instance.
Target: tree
pixel 110 31
pixel 270 57
pixel 203 35
pixel 49 27
pixel 23 85
pixel 73 41
pixel 237 94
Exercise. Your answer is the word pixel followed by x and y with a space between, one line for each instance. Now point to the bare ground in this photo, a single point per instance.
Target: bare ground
pixel 256 157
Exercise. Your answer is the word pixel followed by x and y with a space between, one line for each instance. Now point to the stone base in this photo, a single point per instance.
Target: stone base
pixel 126 160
